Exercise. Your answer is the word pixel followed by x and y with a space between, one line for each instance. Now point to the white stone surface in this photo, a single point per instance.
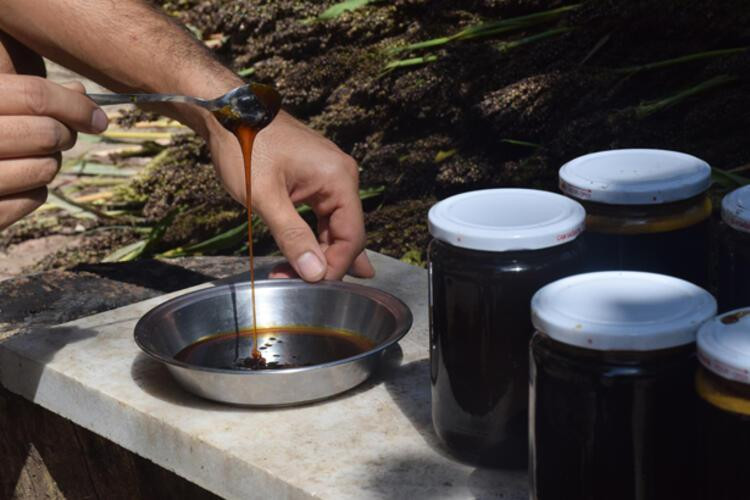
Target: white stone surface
pixel 375 441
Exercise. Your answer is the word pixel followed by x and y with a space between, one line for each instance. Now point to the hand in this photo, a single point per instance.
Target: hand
pixel 38 120
pixel 292 164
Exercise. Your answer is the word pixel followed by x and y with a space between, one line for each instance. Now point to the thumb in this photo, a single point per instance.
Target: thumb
pixel 296 241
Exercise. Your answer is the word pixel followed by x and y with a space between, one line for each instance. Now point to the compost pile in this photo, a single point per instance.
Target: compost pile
pixel 504 109
pixel 502 93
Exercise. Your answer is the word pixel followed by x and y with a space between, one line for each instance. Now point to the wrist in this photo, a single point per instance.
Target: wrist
pixel 205 84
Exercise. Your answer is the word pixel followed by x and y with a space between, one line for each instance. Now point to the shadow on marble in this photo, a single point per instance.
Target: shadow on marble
pixel 410 390
pixel 155 274
pixel 437 478
pixel 41 346
pixel 486 484
pixel 154 379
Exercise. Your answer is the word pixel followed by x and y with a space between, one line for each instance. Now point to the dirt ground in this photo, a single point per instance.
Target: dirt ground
pixel 502 110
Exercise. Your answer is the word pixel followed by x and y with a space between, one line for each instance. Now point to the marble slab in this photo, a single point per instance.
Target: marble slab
pixel 375 441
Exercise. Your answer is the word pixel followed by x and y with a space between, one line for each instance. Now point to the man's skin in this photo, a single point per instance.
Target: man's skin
pixel 128 46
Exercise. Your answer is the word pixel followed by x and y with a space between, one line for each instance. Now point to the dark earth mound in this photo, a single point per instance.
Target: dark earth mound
pixel 502 110
pixel 430 130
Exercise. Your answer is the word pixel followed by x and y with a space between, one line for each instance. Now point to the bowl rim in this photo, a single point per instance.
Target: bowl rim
pixel 400 311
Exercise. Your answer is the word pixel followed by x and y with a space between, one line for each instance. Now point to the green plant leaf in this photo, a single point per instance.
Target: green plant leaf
pixel 99 169
pixel 683 59
pixel 728 180
pixel 246 71
pixel 336 10
pixel 490 28
pixel 646 109
pixel 126 253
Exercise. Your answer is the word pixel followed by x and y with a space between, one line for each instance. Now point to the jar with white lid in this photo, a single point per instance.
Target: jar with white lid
pixel 647 210
pixel 612 404
pixel 734 254
pixel 723 384
pixel 491 250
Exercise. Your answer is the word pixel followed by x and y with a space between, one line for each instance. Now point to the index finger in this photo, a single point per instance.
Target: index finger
pixel 33 95
pixel 344 231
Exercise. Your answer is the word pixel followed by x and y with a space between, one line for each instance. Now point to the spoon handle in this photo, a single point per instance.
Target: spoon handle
pixel 104 99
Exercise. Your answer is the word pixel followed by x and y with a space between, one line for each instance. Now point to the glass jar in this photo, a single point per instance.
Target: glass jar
pixel 723 384
pixel 491 251
pixel 646 210
pixel 612 408
pixel 734 253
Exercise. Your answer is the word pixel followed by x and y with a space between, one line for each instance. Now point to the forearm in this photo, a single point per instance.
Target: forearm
pixel 126 45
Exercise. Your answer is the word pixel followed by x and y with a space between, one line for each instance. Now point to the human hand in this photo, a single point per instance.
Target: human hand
pixel 293 164
pixel 38 120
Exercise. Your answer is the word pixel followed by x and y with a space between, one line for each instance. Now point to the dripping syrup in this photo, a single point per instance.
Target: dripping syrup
pixel 246 136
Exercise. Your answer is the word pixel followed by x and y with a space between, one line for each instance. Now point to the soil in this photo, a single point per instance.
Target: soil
pixel 428 131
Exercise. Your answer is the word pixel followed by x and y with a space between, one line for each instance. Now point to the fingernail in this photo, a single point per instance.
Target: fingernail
pixel 310 266
pixel 99 120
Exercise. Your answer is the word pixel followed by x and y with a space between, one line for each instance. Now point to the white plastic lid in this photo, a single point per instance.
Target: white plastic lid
pixel 735 209
pixel 499 220
pixel 724 345
pixel 635 177
pixel 622 311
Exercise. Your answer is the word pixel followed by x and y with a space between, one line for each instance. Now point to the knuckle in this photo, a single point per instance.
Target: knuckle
pixel 292 234
pixel 349 165
pixel 48 168
pixel 50 135
pixel 35 95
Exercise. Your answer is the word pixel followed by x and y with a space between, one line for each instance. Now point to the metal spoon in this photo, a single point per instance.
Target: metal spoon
pixel 254 104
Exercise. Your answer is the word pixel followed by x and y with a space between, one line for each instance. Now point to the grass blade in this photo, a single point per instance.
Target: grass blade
pixel 516 142
pixel 506 46
pixel 126 253
pixel 728 180
pixel 405 63
pixel 491 28
pixel 647 109
pixel 681 60
pixel 99 169
pixel 336 10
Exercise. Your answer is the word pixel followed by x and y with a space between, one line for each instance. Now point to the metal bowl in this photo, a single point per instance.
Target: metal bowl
pixel 209 318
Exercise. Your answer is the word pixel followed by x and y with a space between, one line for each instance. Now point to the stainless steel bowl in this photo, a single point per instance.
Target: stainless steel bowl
pixel 361 312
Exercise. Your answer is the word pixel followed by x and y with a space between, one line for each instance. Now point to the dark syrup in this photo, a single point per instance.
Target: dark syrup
pixel 278 348
pixel 612 425
pixel 246 136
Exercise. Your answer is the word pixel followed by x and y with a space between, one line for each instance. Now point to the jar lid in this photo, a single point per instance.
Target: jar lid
pixel 735 209
pixel 724 345
pixel 622 311
pixel 635 177
pixel 499 220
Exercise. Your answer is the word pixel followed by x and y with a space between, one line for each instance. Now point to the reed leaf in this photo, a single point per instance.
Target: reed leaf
pixel 506 46
pixel 488 29
pixel 728 180
pixel 126 253
pixel 647 109
pixel 709 54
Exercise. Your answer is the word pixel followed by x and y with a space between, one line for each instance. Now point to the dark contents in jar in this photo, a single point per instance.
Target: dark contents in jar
pixel 650 239
pixel 479 342
pixel 612 425
pixel 724 441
